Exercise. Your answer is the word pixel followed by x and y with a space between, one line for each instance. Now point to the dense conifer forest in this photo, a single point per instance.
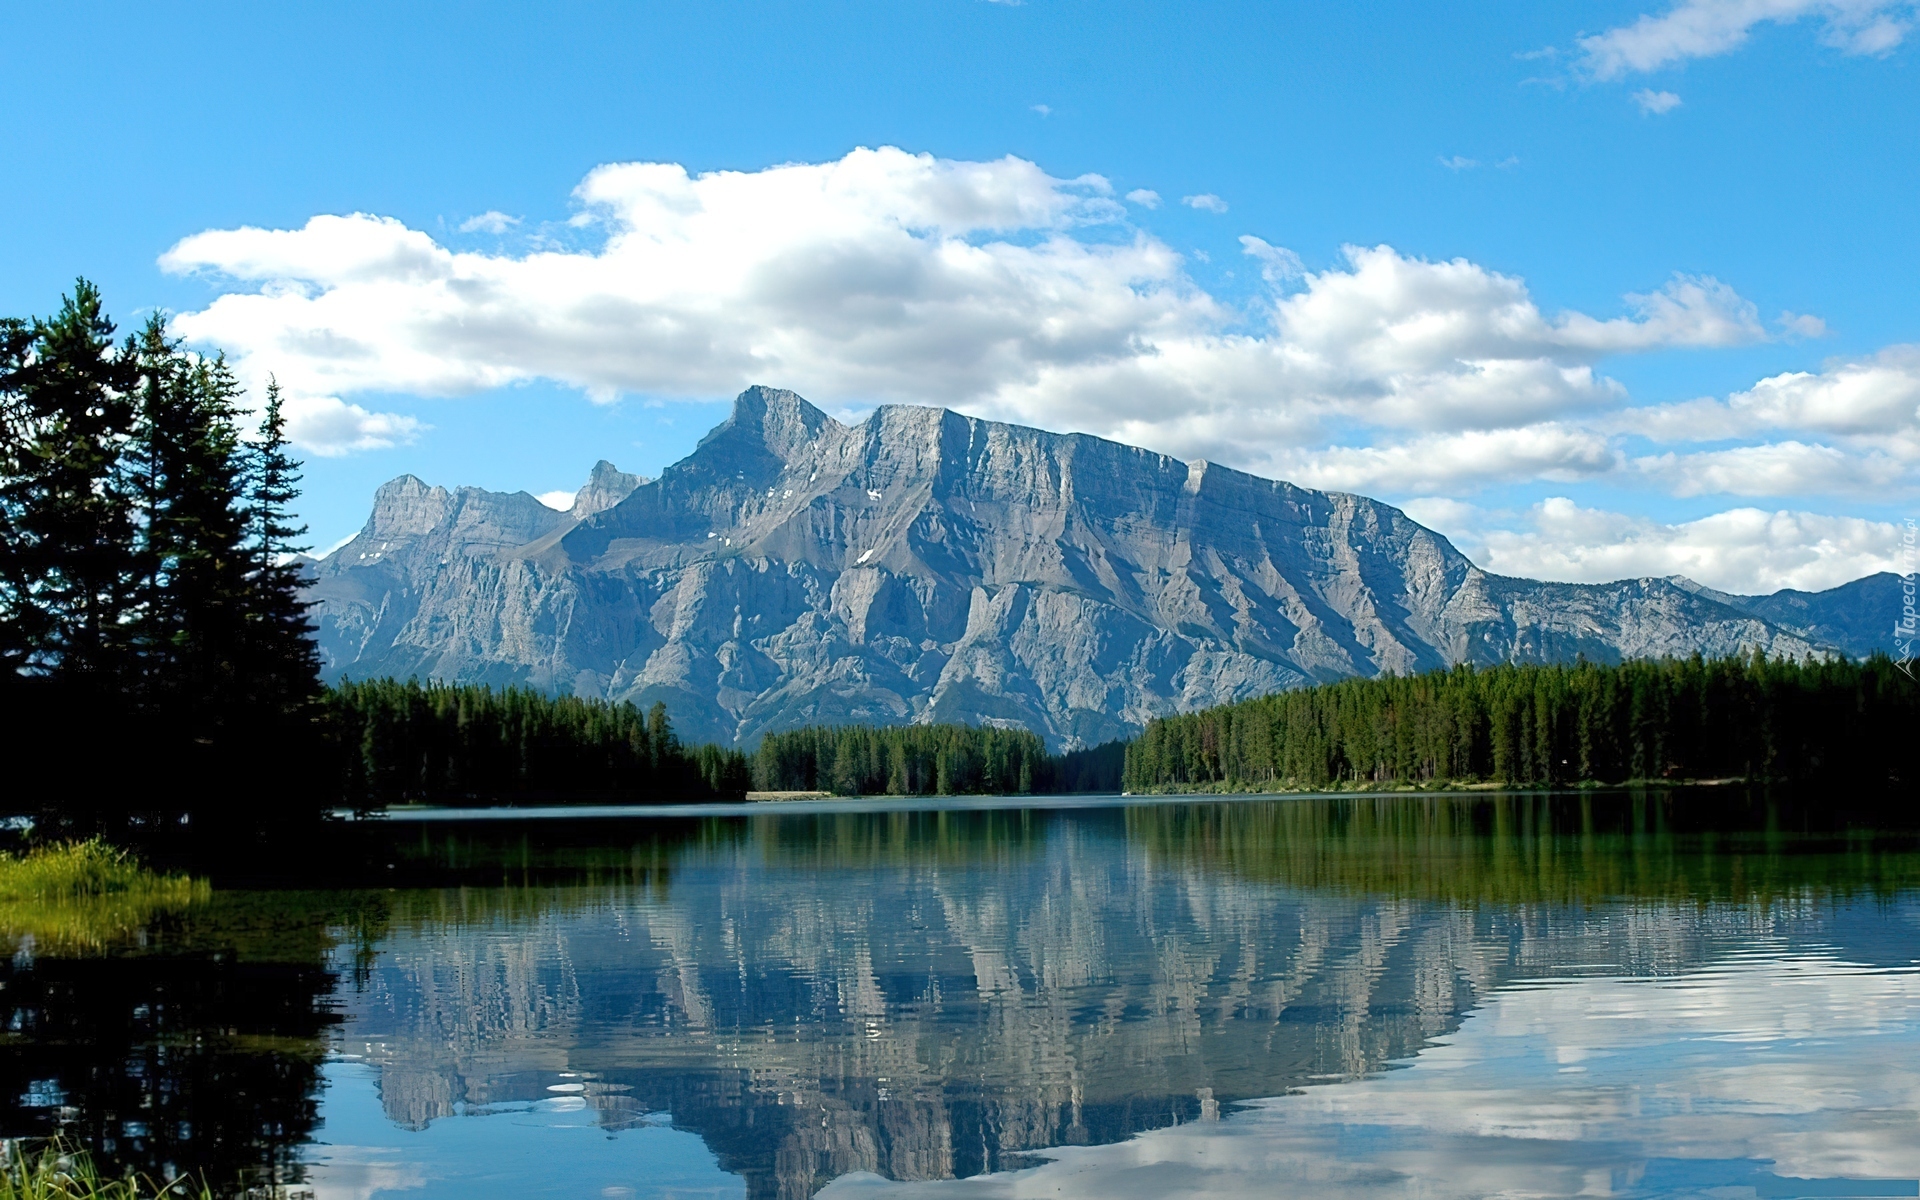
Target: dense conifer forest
pixel 411 742
pixel 928 760
pixel 1687 719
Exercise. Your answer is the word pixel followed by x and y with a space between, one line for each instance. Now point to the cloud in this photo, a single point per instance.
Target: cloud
pixel 1459 163
pixel 1009 293
pixel 1459 461
pixel 1878 396
pixel 1873 401
pixel 330 427
pixel 1043 109
pixel 1789 468
pixel 1801 325
pixel 560 500
pixel 1277 263
pixel 1742 550
pixel 1853 429
pixel 890 276
pixel 1540 1090
pixel 1654 103
pixel 1406 343
pixel 490 221
pixel 1705 28
pixel 1205 202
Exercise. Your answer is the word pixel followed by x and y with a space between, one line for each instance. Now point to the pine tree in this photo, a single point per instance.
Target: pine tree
pixel 196 618
pixel 69 560
pixel 282 661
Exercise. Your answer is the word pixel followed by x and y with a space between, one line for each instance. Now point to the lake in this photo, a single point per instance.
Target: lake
pixel 1701 993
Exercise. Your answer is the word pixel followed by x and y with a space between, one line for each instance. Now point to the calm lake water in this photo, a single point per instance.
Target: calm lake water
pixel 1685 995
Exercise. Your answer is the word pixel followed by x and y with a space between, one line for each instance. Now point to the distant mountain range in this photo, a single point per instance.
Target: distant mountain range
pixel 927 566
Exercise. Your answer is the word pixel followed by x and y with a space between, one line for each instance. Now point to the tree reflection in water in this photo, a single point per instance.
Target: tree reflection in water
pixel 926 995
pixel 918 994
pixel 190 1039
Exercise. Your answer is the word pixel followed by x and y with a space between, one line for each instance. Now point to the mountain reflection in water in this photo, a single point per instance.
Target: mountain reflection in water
pixel 901 998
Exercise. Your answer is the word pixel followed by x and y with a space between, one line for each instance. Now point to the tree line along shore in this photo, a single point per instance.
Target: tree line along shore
pixel 1526 726
pixel 158 667
pixel 1554 725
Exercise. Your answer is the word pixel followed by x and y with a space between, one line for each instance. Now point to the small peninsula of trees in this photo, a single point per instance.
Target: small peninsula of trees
pixel 928 760
pixel 1647 721
pixel 155 655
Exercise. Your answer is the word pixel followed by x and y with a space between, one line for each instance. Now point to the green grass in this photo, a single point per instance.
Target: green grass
pixel 85 896
pixel 58 1171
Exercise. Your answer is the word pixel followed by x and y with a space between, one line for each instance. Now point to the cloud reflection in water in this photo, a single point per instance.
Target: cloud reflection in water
pixel 1773 1072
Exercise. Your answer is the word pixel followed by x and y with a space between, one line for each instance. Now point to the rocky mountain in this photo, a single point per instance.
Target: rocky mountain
pixel 927 566
pixel 1856 617
pixel 607 485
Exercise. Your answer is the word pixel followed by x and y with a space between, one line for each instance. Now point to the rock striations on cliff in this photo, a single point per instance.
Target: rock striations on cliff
pixel 927 566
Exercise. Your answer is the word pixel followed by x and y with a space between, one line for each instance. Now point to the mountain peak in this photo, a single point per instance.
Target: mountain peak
pixel 606 486
pixel 929 566
pixel 774 418
pixel 406 506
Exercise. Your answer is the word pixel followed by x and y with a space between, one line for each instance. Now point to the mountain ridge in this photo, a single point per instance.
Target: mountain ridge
pixel 924 565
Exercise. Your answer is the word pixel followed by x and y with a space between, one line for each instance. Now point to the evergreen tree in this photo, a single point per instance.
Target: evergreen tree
pixel 1547 724
pixel 474 744
pixel 151 630
pixel 926 760
pixel 282 661
pixel 196 617
pixel 69 559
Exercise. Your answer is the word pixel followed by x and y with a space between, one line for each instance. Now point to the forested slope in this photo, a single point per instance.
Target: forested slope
pixel 1693 718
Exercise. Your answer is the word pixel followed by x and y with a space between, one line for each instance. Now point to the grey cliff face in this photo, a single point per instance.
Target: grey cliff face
pixel 606 486
pixel 927 566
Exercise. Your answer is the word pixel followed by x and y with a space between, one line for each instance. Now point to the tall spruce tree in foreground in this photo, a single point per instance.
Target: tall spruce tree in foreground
pixel 281 662
pixel 154 651
pixel 69 556
pixel 194 616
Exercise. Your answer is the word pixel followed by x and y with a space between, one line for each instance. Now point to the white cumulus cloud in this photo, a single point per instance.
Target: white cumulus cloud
pixel 1144 197
pixel 329 426
pixel 1873 402
pixel 1705 28
pixel 1205 202
pixel 1458 461
pixel 1851 429
pixel 1001 290
pixel 1789 468
pixel 893 276
pixel 1747 551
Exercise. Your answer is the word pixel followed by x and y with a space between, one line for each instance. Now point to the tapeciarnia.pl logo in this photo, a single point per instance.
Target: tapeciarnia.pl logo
pixel 1906 630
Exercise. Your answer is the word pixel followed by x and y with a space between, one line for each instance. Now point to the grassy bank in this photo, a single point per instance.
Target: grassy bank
pixel 55 1171
pixel 84 896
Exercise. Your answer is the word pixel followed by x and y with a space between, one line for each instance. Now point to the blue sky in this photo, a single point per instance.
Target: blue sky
pixel 513 304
